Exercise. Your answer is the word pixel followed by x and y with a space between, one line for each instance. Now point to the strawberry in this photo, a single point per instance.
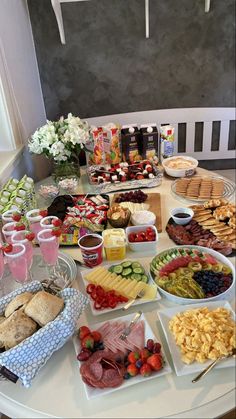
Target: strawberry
pixel 144 354
pixel 56 232
pixel 155 362
pixel 43 213
pixel 145 370
pixel 139 177
pixel 83 331
pixel 19 227
pixel 133 357
pixel 16 216
pixel 132 370
pixel 7 247
pixel 87 342
pixel 57 222
pixel 96 336
pixel 30 236
pixel 123 179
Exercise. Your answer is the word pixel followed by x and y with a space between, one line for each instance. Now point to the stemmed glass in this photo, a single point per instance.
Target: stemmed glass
pixel 49 245
pixel 33 217
pixel 17 262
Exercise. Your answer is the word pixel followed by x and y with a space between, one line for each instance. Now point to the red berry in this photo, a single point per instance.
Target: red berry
pixel 19 227
pixel 83 331
pixel 144 354
pixel 16 216
pixel 57 222
pixel 155 362
pixel 56 232
pixel 87 342
pixel 132 370
pixel 30 236
pixel 7 247
pixel 133 357
pixel 145 370
pixel 96 336
pixel 43 213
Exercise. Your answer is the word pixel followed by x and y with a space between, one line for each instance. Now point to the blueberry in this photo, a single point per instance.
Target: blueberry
pixel 139 363
pixel 101 346
pixel 126 376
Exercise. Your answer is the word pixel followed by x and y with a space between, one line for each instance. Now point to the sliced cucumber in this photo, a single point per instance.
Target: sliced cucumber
pixel 126 264
pixel 138 270
pixel 126 272
pixel 110 269
pixel 118 269
pixel 137 277
pixel 145 278
pixel 136 265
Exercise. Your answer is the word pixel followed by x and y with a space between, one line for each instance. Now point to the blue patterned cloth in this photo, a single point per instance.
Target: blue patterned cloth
pixel 26 359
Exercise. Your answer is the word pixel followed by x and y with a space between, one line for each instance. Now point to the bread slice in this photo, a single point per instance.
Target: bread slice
pixel 16 328
pixel 18 302
pixel 44 307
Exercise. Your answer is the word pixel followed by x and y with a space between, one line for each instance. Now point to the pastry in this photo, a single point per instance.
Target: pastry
pixel 44 307
pixel 17 327
pixel 17 302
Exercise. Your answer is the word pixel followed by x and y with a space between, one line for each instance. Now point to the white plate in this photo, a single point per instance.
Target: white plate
pixel 180 367
pixel 97 392
pixel 120 305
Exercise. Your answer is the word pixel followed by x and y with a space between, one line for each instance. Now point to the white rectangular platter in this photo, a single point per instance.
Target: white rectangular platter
pixel 92 392
pixel 181 368
pixel 120 305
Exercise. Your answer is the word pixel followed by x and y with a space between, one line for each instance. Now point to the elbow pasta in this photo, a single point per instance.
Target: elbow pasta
pixel 202 334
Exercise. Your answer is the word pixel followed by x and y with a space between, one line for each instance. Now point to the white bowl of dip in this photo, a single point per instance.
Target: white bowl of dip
pixel 180 166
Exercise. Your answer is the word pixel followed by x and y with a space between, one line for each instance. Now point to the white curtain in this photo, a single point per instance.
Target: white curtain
pixel 12 129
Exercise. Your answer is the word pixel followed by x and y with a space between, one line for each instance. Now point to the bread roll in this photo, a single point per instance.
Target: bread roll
pixel 44 307
pixel 18 302
pixel 15 329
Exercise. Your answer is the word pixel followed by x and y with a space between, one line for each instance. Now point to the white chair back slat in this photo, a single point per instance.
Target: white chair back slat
pixel 207 136
pixel 190 137
pixel 189 116
pixel 224 136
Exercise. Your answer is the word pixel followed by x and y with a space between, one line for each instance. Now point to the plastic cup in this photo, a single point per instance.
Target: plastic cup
pixel 19 237
pixel 8 230
pixel 46 222
pixel 49 246
pixel 34 219
pixel 17 262
pixel 92 255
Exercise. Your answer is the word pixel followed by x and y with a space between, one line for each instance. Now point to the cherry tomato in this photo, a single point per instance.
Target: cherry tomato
pixel 90 288
pixel 105 303
pixel 100 291
pixel 93 294
pixel 97 306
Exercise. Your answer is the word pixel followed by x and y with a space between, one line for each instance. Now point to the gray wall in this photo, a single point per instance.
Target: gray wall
pixel 107 65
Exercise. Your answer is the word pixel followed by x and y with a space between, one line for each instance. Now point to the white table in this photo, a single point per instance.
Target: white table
pixel 58 389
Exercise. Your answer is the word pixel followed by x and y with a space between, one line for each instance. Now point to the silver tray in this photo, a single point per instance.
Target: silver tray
pixel 52 281
pixel 129 184
pixel 229 189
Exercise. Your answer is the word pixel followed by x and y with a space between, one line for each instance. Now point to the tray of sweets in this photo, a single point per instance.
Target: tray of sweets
pixel 80 214
pixel 123 176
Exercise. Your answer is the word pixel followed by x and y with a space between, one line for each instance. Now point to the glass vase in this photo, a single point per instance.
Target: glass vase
pixel 66 170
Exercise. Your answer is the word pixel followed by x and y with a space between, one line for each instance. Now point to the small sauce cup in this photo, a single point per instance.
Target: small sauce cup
pixel 182 216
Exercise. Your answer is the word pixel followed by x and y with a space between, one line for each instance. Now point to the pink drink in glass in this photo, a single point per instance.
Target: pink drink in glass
pixel 7 215
pixel 1 264
pixel 46 222
pixel 49 246
pixel 17 262
pixel 8 230
pixel 19 237
pixel 34 219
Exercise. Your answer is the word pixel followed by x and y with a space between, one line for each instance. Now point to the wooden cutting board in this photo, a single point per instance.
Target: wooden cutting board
pixel 154 202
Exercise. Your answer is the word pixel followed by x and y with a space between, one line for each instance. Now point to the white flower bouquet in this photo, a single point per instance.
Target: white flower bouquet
pixel 61 140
